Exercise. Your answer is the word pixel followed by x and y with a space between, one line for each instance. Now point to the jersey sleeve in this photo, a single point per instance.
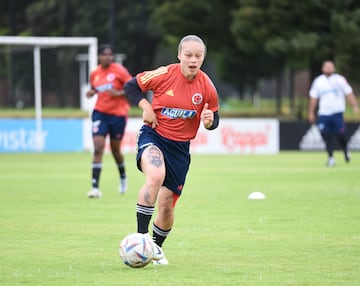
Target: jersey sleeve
pixel 313 89
pixel 213 99
pixel 149 80
pixel 345 86
pixel 123 74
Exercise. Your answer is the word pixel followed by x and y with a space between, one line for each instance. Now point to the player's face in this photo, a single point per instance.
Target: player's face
pixel 191 57
pixel 328 68
pixel 106 57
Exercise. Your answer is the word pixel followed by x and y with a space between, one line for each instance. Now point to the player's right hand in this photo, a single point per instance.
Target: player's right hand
pixel 150 119
pixel 149 116
pixel 90 93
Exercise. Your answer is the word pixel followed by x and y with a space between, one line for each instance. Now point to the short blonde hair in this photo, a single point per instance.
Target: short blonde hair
pixel 191 38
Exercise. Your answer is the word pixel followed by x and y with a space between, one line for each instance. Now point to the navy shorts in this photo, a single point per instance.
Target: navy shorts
pixel 334 123
pixel 103 124
pixel 176 156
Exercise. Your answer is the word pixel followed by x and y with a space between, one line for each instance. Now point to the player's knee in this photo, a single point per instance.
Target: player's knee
pixel 155 179
pixel 98 151
pixel 166 210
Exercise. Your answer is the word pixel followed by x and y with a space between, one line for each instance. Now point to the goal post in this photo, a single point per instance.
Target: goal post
pixel 45 42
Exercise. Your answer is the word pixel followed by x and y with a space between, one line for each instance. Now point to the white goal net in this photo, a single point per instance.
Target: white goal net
pixel 45 71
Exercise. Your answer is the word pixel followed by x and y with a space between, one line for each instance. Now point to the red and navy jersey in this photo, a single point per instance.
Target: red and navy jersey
pixel 102 80
pixel 177 101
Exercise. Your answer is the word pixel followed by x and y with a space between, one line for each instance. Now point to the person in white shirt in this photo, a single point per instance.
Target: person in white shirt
pixel 327 93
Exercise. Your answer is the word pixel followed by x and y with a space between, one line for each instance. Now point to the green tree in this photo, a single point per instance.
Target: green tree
pixel 124 24
pixel 249 40
pixel 210 20
pixel 280 34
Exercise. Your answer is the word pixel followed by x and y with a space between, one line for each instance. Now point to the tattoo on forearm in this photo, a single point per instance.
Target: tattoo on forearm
pixel 155 156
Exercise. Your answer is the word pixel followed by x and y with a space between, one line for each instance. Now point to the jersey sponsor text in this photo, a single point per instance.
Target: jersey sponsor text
pixel 178 113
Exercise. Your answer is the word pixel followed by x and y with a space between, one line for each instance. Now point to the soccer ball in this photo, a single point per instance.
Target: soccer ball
pixel 136 250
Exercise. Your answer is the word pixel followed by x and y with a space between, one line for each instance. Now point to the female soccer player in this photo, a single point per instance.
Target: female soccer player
pixel 109 115
pixel 183 97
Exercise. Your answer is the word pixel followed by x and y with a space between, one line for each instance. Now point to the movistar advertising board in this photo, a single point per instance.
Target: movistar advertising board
pixel 56 135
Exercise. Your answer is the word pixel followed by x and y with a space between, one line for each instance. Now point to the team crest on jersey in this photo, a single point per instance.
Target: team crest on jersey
pixel 110 77
pixel 197 98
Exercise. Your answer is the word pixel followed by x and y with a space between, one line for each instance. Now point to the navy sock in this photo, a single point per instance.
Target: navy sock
pixel 159 235
pixel 143 215
pixel 96 171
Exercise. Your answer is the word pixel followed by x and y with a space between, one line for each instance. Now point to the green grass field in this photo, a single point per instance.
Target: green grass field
pixel 306 232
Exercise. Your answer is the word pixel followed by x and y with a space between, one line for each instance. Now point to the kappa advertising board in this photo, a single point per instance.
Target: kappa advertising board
pixel 233 136
pixel 56 135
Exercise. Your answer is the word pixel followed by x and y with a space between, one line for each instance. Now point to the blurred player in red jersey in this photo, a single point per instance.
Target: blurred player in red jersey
pixel 109 116
pixel 183 97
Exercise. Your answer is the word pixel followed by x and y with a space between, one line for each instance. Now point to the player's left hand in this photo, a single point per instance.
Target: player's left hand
pixel 356 109
pixel 207 116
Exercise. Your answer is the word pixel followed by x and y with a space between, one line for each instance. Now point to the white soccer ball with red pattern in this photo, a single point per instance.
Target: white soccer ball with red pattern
pixel 136 250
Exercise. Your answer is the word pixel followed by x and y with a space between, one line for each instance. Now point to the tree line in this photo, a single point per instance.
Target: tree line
pixel 247 40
